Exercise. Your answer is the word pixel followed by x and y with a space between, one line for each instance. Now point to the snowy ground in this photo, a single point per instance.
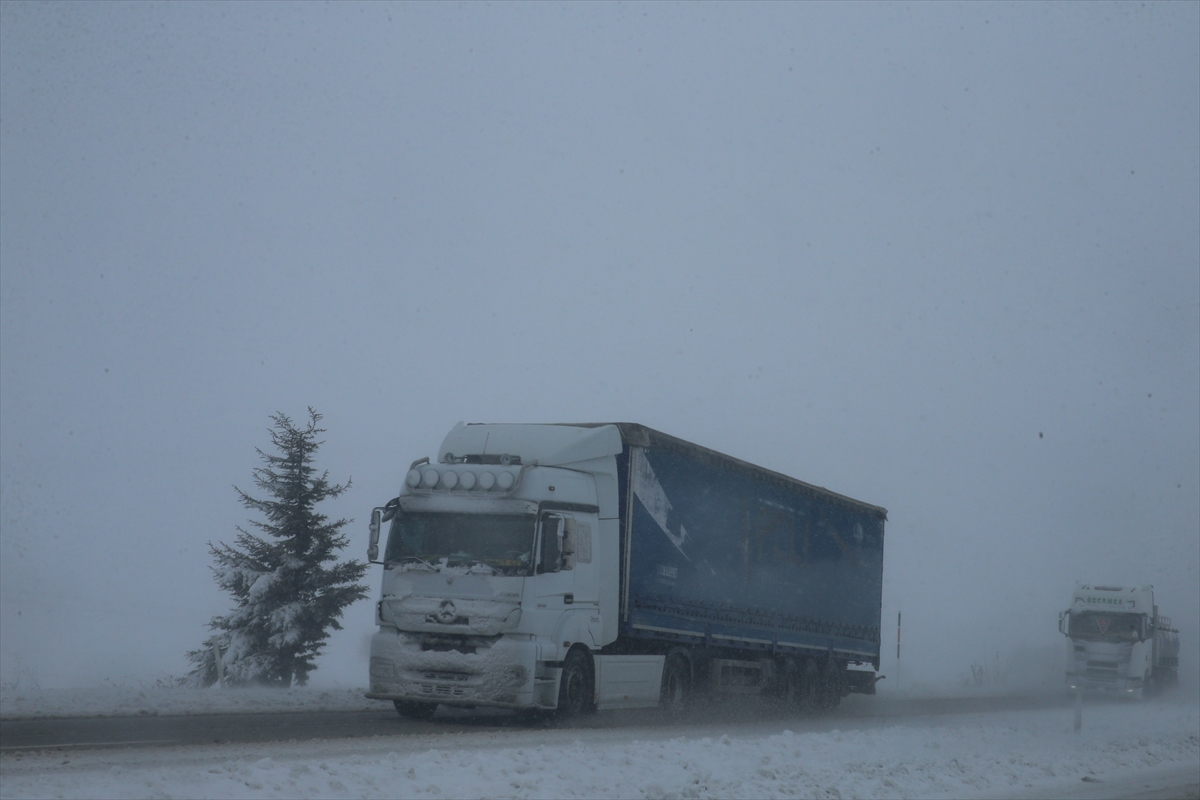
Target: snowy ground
pixel 138 699
pixel 999 754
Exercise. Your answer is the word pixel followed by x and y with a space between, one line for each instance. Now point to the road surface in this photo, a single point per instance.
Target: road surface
pixel 194 729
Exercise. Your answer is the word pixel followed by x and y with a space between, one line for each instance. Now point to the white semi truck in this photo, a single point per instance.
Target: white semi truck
pixel 569 568
pixel 1118 642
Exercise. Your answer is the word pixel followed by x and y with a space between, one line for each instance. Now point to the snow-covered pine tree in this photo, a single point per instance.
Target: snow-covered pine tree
pixel 288 587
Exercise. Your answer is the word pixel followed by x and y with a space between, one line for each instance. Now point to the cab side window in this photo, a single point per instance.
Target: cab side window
pixel 551 543
pixel 563 541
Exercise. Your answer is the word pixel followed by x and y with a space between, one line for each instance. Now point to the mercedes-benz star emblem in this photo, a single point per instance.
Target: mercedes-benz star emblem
pixel 447 613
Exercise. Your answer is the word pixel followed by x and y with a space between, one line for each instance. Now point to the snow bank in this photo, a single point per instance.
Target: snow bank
pixel 998 755
pixel 141 700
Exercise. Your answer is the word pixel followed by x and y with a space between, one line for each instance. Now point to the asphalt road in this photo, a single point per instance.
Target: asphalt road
pixel 47 733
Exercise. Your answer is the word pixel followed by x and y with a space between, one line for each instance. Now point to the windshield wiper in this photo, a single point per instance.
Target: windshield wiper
pixel 417 560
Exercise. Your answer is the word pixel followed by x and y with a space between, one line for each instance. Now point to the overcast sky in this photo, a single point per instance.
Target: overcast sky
pixel 941 258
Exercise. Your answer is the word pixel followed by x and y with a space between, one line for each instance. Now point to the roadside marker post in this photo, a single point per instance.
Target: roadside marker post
pixel 216 648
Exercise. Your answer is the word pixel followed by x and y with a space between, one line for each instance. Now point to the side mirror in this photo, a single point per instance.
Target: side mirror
pixel 1064 618
pixel 373 545
pixel 378 517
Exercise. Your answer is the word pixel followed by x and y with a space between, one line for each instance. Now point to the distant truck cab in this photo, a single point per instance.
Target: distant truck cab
pixel 1118 642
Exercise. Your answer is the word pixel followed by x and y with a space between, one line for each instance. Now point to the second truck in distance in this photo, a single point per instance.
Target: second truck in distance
pixel 1118 642
pixel 571 568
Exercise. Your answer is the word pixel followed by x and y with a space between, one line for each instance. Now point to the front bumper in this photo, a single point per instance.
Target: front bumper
pixel 506 673
pixel 1110 684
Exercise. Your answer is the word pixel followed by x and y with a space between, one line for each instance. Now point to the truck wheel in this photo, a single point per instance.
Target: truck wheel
pixel 810 687
pixel 831 686
pixel 792 689
pixel 676 686
pixel 415 710
pixel 575 686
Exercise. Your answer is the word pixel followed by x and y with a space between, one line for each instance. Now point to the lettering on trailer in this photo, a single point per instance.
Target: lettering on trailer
pixel 647 489
pixel 1102 624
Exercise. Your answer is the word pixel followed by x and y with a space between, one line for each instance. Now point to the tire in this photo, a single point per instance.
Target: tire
pixel 575 686
pixel 676 693
pixel 810 687
pixel 791 688
pixel 1149 687
pixel 831 687
pixel 415 710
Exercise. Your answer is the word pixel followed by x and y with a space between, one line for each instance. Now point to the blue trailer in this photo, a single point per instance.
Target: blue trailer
pixel 730 562
pixel 609 565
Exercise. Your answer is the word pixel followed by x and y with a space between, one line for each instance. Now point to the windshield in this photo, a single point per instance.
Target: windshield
pixel 495 543
pixel 1105 627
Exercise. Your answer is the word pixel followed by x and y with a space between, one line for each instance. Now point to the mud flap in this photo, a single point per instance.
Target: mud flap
pixel 860 681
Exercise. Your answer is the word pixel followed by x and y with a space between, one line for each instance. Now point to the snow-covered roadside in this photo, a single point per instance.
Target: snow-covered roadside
pixel 141 700
pixel 999 754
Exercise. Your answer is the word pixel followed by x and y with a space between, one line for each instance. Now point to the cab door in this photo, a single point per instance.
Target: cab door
pixel 564 589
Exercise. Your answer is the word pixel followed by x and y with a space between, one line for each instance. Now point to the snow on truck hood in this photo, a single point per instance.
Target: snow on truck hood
pixel 451 602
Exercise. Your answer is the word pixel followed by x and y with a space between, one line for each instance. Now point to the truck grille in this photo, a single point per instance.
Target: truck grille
pixel 444 684
pixel 1103 670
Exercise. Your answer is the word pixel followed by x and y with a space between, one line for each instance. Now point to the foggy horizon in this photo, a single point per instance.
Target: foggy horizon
pixel 943 259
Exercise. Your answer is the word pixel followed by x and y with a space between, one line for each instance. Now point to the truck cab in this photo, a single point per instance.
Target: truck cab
pixel 494 568
pixel 1110 638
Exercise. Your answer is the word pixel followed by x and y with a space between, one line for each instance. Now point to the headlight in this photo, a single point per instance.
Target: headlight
pixel 430 478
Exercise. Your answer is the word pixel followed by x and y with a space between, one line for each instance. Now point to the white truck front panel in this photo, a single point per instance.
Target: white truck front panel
pixel 501 672
pixel 1110 642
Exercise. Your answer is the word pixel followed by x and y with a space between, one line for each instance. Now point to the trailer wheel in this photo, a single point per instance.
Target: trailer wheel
pixel 676 690
pixel 575 686
pixel 810 687
pixel 792 688
pixel 415 710
pixel 831 687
